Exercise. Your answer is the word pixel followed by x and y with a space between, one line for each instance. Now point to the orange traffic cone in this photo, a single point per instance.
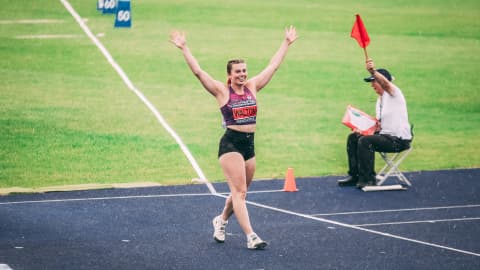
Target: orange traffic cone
pixel 290 185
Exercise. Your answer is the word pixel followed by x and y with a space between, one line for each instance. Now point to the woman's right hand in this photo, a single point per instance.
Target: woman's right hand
pixel 178 39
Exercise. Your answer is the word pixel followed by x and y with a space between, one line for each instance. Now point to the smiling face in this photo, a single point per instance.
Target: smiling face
pixel 237 72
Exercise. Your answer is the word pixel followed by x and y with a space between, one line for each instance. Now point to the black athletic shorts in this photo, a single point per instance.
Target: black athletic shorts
pixel 236 141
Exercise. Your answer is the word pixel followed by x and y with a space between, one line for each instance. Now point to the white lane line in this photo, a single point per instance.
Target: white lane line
pixel 266 191
pixel 256 191
pixel 417 221
pixel 5 267
pixel 357 227
pixel 139 94
pixel 31 21
pixel 108 198
pixel 130 197
pixel 400 210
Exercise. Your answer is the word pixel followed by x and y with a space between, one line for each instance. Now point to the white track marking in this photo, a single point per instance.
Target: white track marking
pixel 108 198
pixel 256 191
pixel 400 210
pixel 356 227
pixel 53 36
pixel 139 94
pixel 130 197
pixel 418 221
pixel 5 267
pixel 47 36
pixel 32 21
pixel 266 191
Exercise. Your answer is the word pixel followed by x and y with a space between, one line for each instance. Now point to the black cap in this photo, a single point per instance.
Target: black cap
pixel 382 71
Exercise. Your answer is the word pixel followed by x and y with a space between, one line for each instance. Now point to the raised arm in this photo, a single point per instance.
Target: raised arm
pixel 213 86
pixel 384 82
pixel 266 75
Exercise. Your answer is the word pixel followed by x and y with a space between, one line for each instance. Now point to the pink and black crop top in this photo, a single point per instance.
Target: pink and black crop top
pixel 240 109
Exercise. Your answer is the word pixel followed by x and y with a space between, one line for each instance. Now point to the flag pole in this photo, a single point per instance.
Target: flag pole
pixel 365 52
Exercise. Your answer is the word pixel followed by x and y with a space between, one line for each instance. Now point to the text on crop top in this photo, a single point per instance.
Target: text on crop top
pixel 240 109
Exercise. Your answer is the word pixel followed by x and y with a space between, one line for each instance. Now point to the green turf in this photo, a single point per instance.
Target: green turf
pixel 67 118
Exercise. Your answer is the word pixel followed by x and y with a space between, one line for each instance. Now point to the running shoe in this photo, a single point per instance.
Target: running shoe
pixel 254 242
pixel 219 229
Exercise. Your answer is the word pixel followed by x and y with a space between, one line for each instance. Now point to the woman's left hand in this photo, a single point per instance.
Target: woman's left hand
pixel 290 34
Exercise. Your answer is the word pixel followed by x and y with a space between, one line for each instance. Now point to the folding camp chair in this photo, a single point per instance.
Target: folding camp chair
pixel 392 161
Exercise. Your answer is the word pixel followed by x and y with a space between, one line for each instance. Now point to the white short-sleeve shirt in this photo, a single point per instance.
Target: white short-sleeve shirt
pixel 393 115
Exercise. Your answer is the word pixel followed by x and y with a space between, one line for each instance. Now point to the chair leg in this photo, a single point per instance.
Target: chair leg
pixel 391 167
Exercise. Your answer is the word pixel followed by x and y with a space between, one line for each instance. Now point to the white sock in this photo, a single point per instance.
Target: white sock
pixel 221 219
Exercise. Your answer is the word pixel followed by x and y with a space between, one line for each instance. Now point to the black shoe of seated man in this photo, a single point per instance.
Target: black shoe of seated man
pixel 349 181
pixel 362 184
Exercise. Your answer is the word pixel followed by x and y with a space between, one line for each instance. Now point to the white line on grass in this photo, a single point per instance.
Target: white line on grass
pixel 140 95
pixel 418 221
pixel 53 36
pixel 47 36
pixel 31 21
pixel 400 210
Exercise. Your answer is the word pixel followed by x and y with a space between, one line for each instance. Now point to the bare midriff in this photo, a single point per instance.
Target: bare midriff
pixel 243 128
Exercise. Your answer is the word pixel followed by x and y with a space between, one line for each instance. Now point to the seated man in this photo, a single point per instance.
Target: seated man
pixel 392 135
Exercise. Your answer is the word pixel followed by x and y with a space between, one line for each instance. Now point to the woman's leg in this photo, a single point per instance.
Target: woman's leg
pixel 239 175
pixel 250 166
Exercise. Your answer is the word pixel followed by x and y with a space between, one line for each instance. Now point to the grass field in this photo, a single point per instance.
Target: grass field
pixel 67 118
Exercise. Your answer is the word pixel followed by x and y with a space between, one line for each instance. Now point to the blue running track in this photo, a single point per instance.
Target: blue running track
pixel 435 224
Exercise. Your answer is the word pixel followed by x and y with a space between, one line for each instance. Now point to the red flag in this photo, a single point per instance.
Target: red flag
pixel 360 33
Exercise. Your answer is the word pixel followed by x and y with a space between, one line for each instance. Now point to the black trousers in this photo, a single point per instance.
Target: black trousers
pixel 361 153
